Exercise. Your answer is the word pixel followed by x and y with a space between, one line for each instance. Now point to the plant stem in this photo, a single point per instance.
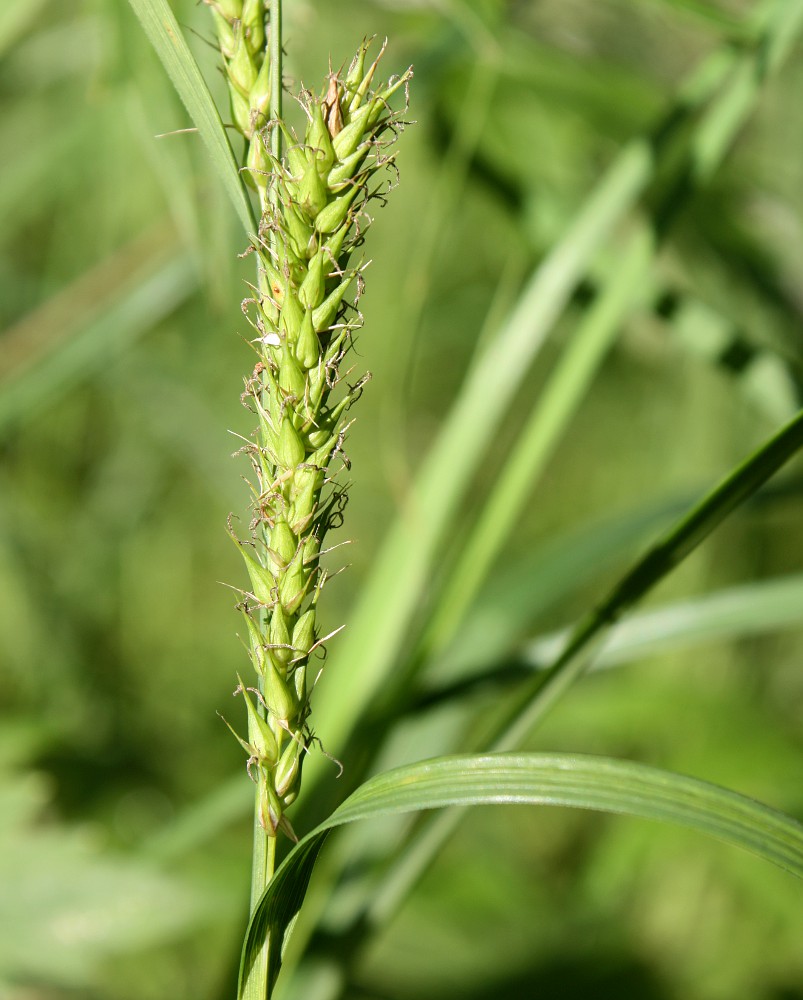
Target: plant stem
pixel 264 846
pixel 263 858
pixel 275 56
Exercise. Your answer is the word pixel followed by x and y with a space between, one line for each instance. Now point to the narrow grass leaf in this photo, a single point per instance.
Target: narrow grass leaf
pixel 724 616
pixel 657 563
pixel 778 27
pixel 539 694
pixel 551 414
pixel 507 609
pixel 379 622
pixel 390 597
pixel 577 781
pixel 735 613
pixel 165 35
pixel 16 18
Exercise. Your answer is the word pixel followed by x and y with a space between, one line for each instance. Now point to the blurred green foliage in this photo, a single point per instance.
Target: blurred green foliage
pixel 121 358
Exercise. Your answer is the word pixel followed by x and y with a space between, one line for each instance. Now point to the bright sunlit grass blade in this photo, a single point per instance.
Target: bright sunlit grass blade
pixel 563 393
pixel 537 696
pixel 576 781
pixel 390 596
pixel 378 624
pixel 554 408
pixel 735 613
pixel 724 616
pixel 778 27
pixel 167 39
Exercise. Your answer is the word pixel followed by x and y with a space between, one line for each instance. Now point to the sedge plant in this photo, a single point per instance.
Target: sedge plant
pixel 311 191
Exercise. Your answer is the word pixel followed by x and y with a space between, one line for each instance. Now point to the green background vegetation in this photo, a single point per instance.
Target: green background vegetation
pixel 122 355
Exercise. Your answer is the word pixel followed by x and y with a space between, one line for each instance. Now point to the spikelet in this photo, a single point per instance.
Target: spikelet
pixel 304 312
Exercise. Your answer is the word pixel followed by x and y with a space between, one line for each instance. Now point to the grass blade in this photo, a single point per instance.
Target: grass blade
pixel 166 37
pixel 737 612
pixel 577 781
pixel 549 418
pixel 657 563
pixel 727 615
pixel 538 695
pixel 379 623
pixel 390 597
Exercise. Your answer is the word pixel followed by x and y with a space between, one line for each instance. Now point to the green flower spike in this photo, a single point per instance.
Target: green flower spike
pixel 304 312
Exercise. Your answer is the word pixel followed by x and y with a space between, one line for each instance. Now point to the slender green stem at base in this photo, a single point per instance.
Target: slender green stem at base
pixel 263 858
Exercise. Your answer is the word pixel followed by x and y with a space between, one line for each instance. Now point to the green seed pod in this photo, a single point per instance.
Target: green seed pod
pixel 311 550
pixel 347 141
pixel 283 544
pixel 334 215
pixel 343 172
pixel 260 735
pixel 300 683
pixel 296 157
pixel 300 232
pixel 292 264
pixel 279 696
pixel 253 19
pixel 291 378
pixel 274 283
pixel 319 140
pixel 292 317
pixel 258 164
pixel 356 70
pixel 307 345
pixel 323 454
pixel 306 483
pixel 259 98
pixel 240 112
pixel 267 422
pixel 255 642
pixel 316 387
pixel 241 71
pixel 365 83
pixel 324 315
pixel 279 636
pixel 312 288
pixel 232 10
pixel 293 585
pixel 261 580
pixel 270 808
pixel 319 437
pixel 286 773
pixel 225 34
pixel 334 245
pixel 311 193
pixel 290 448
pixel 304 633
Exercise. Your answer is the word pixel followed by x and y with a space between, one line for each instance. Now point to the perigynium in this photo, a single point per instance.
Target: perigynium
pixel 304 311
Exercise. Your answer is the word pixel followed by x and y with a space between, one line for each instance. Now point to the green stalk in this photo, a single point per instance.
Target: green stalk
pixel 263 859
pixel 303 309
pixel 539 694
pixel 552 413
